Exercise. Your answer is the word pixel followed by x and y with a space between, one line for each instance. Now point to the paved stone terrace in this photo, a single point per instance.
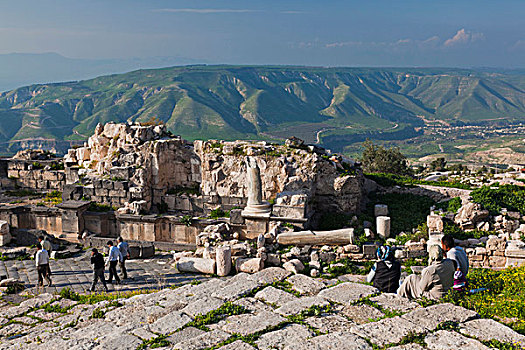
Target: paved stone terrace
pixel 298 313
pixel 76 274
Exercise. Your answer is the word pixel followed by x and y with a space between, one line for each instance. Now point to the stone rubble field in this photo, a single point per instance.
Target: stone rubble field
pixel 266 310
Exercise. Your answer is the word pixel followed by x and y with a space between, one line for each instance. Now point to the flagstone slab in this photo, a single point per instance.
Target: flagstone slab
pixel 305 285
pixel 487 329
pixel 445 340
pixel 291 335
pixel 388 330
pixel 348 292
pixel 430 317
pixel 334 341
pixel 296 306
pixel 275 296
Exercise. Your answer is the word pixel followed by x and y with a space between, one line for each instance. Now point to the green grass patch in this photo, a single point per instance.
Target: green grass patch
pixel 503 299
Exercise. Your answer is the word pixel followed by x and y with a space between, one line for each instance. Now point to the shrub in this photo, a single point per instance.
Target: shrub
pixel 511 197
pixel 451 205
pixel 186 220
pixel 219 213
pixel 57 166
pixel 380 159
pixel 98 207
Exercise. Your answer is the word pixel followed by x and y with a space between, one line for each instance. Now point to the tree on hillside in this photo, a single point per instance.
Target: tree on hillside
pixel 378 159
pixel 438 164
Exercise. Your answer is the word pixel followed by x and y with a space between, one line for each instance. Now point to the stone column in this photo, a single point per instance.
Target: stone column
pixel 5 235
pixel 383 226
pixel 255 206
pixel 223 257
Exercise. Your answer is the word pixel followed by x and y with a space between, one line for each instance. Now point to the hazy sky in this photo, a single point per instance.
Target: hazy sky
pixel 348 33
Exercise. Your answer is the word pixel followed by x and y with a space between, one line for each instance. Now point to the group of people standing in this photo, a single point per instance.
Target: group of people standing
pixel 116 255
pixel 441 274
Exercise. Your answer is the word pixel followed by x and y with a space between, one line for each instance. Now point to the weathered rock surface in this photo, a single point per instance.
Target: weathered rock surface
pixel 291 335
pixel 486 329
pixel 299 305
pixel 305 285
pixel 272 295
pixel 334 341
pixel 246 324
pixel 388 330
pixel 445 340
pixel 394 302
pixel 143 317
pixel 430 317
pixel 348 292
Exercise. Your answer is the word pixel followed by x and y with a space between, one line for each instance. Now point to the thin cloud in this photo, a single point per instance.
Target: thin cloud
pixel 205 11
pixel 463 37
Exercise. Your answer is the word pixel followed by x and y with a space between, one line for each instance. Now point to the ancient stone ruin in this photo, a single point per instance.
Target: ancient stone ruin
pixel 142 183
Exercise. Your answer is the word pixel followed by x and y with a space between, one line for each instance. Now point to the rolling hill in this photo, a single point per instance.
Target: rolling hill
pixel 331 106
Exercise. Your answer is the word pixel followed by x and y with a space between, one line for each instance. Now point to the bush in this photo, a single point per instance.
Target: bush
pixel 219 213
pixel 97 207
pixel 380 159
pixel 186 220
pixel 511 197
pixel 451 205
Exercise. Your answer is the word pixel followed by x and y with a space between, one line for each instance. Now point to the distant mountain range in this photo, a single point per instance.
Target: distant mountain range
pixel 20 69
pixel 329 106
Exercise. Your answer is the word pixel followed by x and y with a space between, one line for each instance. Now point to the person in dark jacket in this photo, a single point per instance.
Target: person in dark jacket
pixel 98 269
pixel 386 272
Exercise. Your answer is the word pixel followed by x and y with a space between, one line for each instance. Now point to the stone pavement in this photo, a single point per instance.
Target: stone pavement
pixel 76 274
pixel 260 311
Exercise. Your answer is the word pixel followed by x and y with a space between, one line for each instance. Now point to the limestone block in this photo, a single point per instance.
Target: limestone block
pixel 249 265
pixel 196 265
pixel 435 223
pixel 487 330
pixel 380 210
pixel 223 260
pixel 383 226
pixel 451 340
pixel 294 265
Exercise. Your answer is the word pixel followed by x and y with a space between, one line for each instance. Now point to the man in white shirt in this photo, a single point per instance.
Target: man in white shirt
pixel 114 257
pixel 42 265
pixel 123 247
pixel 44 242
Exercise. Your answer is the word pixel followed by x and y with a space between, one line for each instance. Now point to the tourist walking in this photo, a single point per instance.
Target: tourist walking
pixel 44 243
pixel 435 280
pixel 386 272
pixel 97 260
pixel 42 266
pixel 458 255
pixel 114 257
pixel 123 247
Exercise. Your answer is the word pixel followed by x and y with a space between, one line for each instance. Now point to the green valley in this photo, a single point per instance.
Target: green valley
pixel 335 107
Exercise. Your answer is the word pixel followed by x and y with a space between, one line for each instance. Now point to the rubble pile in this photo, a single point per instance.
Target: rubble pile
pixel 122 163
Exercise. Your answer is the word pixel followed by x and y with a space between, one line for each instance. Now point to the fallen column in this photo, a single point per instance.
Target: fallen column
pixel 336 237
pixel 196 265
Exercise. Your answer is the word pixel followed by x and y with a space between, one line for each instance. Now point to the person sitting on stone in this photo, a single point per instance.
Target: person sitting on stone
pixel 458 255
pixel 386 272
pixel 435 280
